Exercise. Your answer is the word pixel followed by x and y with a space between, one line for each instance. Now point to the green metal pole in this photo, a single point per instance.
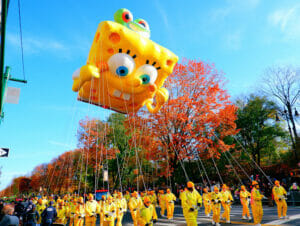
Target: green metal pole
pixel 2 76
pixel 4 84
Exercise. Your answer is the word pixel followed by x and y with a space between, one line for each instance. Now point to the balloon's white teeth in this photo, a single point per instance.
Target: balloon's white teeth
pixel 117 93
pixel 126 96
pixel 76 74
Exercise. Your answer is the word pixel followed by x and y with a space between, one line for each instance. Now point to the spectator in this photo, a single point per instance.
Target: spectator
pixel 48 215
pixel 31 217
pixel 294 187
pixel 8 218
pixel 19 210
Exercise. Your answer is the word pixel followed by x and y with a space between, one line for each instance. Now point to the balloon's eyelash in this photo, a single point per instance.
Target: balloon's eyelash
pixel 128 52
pixel 147 62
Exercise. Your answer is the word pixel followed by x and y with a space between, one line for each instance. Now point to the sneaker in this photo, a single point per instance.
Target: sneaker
pixel 218 224
pixel 281 217
pixel 244 217
pixel 249 218
pixel 228 222
pixel 286 217
pixel 213 223
pixel 207 215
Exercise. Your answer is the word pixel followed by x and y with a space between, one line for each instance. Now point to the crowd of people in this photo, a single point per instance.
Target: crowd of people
pixel 76 210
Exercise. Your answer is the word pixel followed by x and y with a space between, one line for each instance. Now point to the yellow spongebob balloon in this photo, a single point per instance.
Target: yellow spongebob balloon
pixel 125 70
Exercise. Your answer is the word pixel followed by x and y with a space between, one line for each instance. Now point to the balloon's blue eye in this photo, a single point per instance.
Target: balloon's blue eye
pixel 122 71
pixel 145 79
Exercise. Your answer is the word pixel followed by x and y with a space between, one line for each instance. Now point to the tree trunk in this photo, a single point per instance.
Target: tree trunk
pixel 296 140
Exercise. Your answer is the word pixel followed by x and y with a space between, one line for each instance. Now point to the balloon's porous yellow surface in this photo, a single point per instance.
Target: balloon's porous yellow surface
pixel 125 70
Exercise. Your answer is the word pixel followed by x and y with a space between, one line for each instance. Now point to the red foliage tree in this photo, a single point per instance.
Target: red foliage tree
pixel 192 124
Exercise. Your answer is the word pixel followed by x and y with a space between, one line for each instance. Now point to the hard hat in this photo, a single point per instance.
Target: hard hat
pixel 109 198
pixel 91 196
pixel 216 188
pixel 40 201
pixel 224 186
pixel 254 182
pixel 243 187
pixel 80 199
pixel 205 189
pixel 190 184
pixel 277 182
pixel 168 190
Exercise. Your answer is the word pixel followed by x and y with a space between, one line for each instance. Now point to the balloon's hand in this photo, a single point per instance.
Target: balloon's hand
pixel 161 97
pixel 86 73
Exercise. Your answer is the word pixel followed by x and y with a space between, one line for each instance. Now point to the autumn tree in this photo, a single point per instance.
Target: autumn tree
pixel 192 124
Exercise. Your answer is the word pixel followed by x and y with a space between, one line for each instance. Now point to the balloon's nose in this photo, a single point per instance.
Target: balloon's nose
pixel 152 87
pixel 136 82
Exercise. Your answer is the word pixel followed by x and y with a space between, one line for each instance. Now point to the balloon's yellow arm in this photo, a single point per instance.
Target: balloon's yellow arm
pixel 162 96
pixel 86 73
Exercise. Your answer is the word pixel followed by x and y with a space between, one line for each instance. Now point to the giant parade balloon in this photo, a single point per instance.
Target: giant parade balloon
pixel 125 70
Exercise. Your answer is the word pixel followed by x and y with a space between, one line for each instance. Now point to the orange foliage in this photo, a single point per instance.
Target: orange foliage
pixel 196 119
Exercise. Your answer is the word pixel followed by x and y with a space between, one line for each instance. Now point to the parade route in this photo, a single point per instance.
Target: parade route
pixel 269 218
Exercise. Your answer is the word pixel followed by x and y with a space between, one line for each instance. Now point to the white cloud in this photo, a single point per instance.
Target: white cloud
pixel 163 14
pixel 61 144
pixel 287 20
pixel 34 44
pixel 233 40
pixel 233 6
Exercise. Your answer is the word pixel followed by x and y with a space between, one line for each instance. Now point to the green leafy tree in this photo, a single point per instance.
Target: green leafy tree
pixel 259 133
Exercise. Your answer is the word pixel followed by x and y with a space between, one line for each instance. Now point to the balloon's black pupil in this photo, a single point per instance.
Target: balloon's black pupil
pixel 144 79
pixel 122 71
pixel 127 16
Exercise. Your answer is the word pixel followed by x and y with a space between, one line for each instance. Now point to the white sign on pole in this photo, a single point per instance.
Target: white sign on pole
pixel 12 95
pixel 105 175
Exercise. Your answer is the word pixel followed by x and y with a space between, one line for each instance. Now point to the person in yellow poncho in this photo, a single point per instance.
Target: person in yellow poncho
pixel 170 198
pixel 127 196
pixel 72 211
pixel 226 202
pixel 101 209
pixel 40 208
pixel 146 215
pixel 206 201
pixel 109 211
pixel 91 211
pixel 256 204
pixel 80 212
pixel 162 202
pixel 61 218
pixel 153 198
pixel 121 205
pixel 134 204
pixel 245 198
pixel 280 197
pixel 191 201
pixel 45 201
pixel 216 199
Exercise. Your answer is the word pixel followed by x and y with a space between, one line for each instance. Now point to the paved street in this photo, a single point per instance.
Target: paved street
pixel 269 218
